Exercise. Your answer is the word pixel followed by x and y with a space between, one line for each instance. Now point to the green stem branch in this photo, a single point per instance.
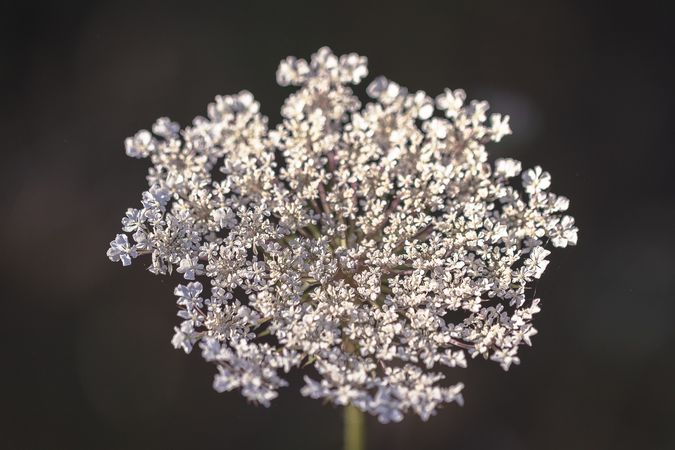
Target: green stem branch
pixel 354 429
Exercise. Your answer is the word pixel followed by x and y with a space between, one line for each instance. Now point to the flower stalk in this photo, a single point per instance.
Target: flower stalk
pixel 354 428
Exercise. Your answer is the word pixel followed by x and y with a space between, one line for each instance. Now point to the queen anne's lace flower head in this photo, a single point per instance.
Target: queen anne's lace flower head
pixel 370 245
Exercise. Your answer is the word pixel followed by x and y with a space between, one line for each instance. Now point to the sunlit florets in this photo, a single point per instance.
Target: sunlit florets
pixel 368 245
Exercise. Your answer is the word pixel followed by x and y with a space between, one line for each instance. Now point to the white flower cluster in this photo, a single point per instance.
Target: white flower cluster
pixel 369 244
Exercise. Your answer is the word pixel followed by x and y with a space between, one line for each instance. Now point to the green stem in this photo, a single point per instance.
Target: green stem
pixel 314 230
pixel 354 429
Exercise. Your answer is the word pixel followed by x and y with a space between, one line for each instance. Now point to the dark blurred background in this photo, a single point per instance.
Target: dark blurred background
pixel 87 360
